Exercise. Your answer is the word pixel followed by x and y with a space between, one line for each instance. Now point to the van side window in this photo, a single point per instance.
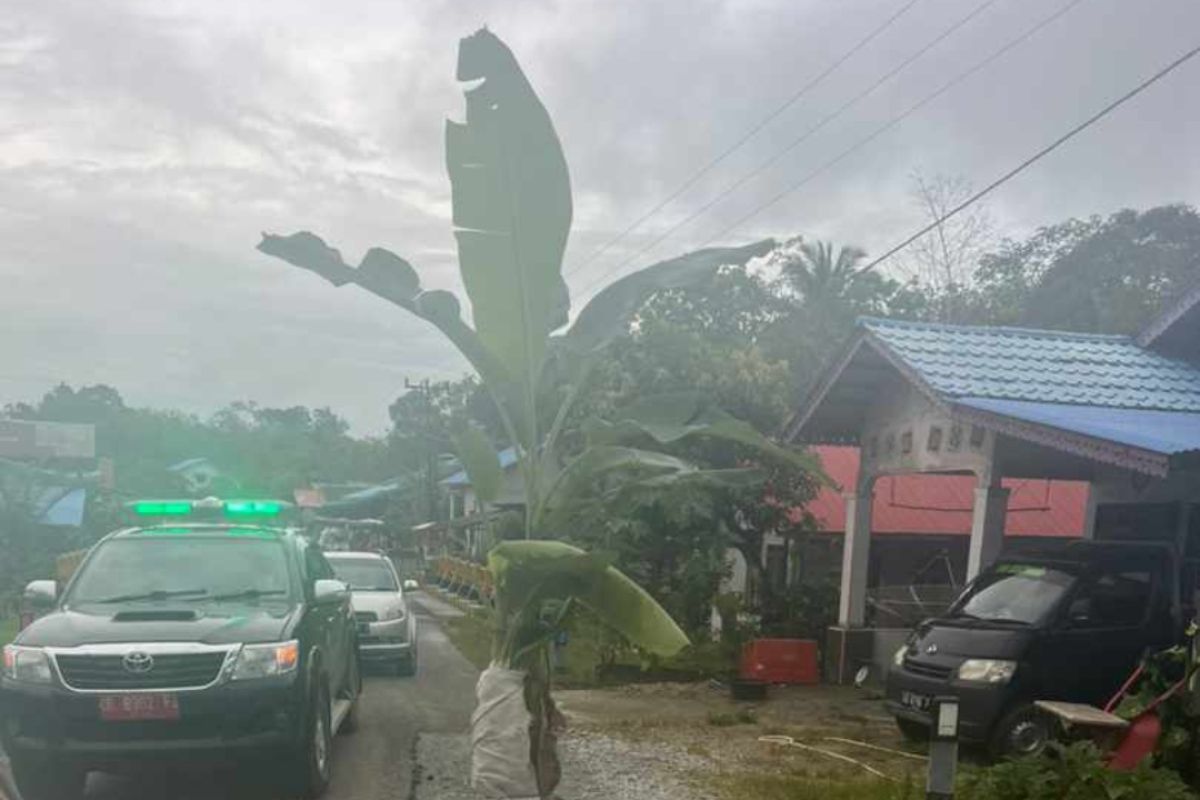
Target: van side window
pixel 316 566
pixel 1112 600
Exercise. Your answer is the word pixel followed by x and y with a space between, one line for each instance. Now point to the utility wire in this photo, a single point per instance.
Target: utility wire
pixel 896 120
pixel 764 122
pixel 1087 123
pixel 828 118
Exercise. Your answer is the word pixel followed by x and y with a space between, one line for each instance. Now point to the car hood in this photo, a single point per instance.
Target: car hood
pixel 383 604
pixel 213 625
pixel 970 641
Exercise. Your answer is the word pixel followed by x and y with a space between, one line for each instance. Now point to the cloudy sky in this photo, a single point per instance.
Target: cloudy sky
pixel 144 146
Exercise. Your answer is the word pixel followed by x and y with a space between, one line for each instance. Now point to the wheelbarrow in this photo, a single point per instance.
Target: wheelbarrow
pixel 1129 742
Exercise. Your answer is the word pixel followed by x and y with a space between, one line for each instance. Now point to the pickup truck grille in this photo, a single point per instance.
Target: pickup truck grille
pixel 170 671
pixel 927 670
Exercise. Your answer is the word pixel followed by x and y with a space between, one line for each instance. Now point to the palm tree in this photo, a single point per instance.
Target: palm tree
pixel 817 273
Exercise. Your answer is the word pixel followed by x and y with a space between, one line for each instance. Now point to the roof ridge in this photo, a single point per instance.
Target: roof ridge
pixel 888 322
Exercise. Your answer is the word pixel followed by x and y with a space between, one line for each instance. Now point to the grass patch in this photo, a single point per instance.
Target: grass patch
pixel 743 716
pixel 471 634
pixel 804 787
pixel 8 629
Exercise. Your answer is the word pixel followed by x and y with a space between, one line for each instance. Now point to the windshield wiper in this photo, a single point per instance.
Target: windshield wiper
pixel 157 594
pixel 247 594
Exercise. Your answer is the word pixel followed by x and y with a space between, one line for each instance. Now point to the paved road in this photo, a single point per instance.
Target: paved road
pixel 376 762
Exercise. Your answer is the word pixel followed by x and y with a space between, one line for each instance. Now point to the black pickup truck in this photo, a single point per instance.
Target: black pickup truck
pixel 183 642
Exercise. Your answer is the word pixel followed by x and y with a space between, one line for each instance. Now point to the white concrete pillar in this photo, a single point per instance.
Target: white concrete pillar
pixel 856 551
pixel 987 527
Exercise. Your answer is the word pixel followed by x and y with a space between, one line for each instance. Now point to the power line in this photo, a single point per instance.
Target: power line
pixel 896 120
pixel 768 119
pixel 1087 123
pixel 828 118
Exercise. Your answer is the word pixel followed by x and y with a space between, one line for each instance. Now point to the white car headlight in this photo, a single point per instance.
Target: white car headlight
pixel 898 659
pixel 393 614
pixel 27 664
pixel 987 670
pixel 266 660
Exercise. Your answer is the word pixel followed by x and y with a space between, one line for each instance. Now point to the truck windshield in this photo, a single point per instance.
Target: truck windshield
pixel 365 575
pixel 1020 593
pixel 183 568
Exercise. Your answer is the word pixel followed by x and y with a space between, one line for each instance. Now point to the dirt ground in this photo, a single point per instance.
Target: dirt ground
pixel 702 720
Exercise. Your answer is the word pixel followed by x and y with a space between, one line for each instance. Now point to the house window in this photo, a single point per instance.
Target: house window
pixel 977 435
pixel 934 443
pixel 906 440
pixel 955 443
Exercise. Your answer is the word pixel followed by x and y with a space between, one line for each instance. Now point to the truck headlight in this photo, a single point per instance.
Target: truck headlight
pixel 27 664
pixel 986 670
pixel 266 660
pixel 898 659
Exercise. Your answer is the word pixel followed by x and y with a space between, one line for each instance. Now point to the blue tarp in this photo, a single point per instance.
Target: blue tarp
pixel 459 480
pixel 1165 432
pixel 62 507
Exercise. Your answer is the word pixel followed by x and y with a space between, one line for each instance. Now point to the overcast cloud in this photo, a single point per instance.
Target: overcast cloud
pixel 144 146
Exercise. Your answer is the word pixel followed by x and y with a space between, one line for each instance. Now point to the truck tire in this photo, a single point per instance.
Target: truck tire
pixel 913 731
pixel 1024 731
pixel 309 768
pixel 45 780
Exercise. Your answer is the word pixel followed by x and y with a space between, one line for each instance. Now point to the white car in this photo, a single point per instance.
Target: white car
pixel 387 628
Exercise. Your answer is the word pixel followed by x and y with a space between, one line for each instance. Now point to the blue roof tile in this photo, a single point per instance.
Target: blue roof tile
pixel 1040 366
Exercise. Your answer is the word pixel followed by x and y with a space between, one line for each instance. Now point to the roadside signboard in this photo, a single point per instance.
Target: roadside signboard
pixel 27 439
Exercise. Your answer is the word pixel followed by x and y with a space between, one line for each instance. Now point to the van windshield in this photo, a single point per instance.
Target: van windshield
pixel 1021 593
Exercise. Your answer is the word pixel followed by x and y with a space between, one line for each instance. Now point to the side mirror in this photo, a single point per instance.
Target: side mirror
pixel 328 590
pixel 41 595
pixel 410 585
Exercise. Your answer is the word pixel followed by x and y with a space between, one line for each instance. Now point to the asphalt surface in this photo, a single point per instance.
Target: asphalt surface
pixel 374 763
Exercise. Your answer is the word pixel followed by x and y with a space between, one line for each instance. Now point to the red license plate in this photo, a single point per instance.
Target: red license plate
pixel 141 706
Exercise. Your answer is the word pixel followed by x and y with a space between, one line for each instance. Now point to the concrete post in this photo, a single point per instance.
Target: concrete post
pixel 987 527
pixel 1089 511
pixel 856 551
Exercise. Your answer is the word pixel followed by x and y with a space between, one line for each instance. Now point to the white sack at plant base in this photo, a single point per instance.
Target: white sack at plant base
pixel 538 583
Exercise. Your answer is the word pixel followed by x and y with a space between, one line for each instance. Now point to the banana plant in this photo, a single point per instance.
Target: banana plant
pixel 512 214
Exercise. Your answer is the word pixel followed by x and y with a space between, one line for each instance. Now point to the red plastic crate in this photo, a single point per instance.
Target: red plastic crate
pixel 781 661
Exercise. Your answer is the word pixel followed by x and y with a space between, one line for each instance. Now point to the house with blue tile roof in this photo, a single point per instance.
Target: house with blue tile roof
pixel 1120 412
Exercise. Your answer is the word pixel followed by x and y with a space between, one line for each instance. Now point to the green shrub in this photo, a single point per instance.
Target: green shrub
pixel 1071 773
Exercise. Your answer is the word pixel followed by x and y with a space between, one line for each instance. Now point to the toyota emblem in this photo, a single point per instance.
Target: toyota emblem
pixel 138 662
pixel 932 649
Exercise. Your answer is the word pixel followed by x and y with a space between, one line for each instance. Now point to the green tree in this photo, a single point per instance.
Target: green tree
pixel 1100 274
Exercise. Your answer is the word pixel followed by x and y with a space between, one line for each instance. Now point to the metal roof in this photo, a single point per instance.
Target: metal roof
pixel 1169 433
pixel 1039 366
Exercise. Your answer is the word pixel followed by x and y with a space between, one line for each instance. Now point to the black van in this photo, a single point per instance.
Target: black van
pixel 1064 622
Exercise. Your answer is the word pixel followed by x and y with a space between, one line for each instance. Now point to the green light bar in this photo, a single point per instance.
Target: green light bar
pixel 247 508
pixel 155 508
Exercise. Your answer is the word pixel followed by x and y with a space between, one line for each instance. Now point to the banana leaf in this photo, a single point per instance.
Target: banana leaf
pixel 675 416
pixel 608 314
pixel 479 459
pixel 512 209
pixel 540 571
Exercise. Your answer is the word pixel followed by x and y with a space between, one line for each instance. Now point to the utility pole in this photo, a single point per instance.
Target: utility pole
pixel 432 442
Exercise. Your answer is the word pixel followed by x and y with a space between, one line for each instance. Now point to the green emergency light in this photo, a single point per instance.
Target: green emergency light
pixel 207 507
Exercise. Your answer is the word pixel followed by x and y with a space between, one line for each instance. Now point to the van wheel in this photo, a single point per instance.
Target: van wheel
pixel 1024 731
pixel 912 731
pixel 354 690
pixel 44 780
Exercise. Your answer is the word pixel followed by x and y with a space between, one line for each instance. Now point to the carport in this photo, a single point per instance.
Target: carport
pixel 1122 413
